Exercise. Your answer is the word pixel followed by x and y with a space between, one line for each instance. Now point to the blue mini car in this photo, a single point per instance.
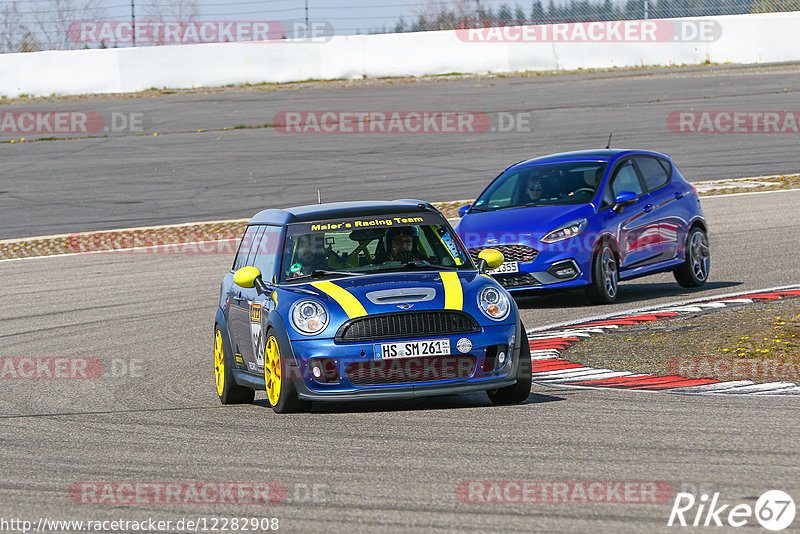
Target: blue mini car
pixel 364 300
pixel 587 220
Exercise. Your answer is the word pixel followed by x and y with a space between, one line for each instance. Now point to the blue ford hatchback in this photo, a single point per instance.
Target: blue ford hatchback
pixel 588 220
pixel 364 300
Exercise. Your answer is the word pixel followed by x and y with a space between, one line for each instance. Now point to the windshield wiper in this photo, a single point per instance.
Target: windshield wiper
pixel 322 272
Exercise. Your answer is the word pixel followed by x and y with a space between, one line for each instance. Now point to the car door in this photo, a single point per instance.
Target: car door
pixel 240 299
pixel 636 227
pixel 263 256
pixel 656 173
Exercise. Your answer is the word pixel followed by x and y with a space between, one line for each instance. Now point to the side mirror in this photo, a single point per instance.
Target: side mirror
pixel 249 277
pixel 489 259
pixel 625 198
pixel 463 210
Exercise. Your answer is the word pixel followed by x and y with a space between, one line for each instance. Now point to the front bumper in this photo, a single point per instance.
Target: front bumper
pixel 354 355
pixel 540 273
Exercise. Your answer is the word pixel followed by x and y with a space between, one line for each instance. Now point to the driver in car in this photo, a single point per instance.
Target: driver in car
pixel 534 188
pixel 309 255
pixel 401 246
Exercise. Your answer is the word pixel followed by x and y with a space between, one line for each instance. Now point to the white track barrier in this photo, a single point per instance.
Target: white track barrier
pixel 755 38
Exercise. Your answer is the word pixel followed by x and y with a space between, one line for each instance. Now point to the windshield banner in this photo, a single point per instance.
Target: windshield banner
pixel 362 223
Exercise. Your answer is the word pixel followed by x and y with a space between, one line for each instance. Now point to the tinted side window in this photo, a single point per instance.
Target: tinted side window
pixel 244 247
pixel 653 172
pixel 251 256
pixel 667 167
pixel 265 253
pixel 625 179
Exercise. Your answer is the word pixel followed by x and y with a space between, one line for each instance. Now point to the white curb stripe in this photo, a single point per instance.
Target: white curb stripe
pixel 729 297
pixel 790 391
pixel 563 377
pixel 719 386
pixel 592 376
pixel 770 386
pixel 570 373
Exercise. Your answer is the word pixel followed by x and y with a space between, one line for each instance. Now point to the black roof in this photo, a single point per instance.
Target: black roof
pixel 338 210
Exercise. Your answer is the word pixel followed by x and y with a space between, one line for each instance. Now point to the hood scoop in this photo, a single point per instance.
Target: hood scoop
pixel 401 296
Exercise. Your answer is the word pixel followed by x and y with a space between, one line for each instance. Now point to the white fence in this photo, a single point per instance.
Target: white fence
pixel 762 38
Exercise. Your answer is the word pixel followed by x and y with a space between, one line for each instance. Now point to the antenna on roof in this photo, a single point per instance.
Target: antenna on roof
pixel 609 140
pixel 319 197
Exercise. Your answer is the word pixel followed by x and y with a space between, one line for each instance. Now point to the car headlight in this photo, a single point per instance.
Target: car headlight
pixel 309 317
pixel 494 303
pixel 565 231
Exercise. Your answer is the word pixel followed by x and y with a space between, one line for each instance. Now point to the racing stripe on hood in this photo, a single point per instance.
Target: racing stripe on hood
pixel 453 293
pixel 351 306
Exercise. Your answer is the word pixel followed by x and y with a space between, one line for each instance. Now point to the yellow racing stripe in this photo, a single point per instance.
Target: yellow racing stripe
pixel 351 306
pixel 453 294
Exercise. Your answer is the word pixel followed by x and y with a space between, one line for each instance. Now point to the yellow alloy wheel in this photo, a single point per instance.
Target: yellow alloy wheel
pixel 272 370
pixel 219 363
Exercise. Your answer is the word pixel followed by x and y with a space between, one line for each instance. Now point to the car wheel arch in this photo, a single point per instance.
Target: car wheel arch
pixel 222 323
pixel 601 241
pixel 697 223
pixel 279 329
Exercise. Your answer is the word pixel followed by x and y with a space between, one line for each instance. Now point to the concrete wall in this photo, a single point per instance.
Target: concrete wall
pixel 762 38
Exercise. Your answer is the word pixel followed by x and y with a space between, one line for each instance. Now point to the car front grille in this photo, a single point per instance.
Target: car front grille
pixel 516 280
pixel 407 324
pixel 510 252
pixel 410 370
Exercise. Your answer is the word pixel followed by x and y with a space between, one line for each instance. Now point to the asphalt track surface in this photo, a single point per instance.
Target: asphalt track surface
pixel 185 176
pixel 382 467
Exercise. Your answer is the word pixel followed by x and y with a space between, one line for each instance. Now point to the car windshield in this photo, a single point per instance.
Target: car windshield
pixel 363 245
pixel 574 182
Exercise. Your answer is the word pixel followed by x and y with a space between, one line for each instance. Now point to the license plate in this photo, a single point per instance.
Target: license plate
pixel 412 349
pixel 507 267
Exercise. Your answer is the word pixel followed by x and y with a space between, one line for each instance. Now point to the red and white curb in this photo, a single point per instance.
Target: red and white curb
pixel 549 368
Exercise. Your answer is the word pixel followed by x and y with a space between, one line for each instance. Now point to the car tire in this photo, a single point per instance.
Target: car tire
pixel 522 389
pixel 281 393
pixel 228 390
pixel 693 272
pixel 605 276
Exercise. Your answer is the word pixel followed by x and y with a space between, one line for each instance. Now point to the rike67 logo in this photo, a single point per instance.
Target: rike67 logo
pixel 774 510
